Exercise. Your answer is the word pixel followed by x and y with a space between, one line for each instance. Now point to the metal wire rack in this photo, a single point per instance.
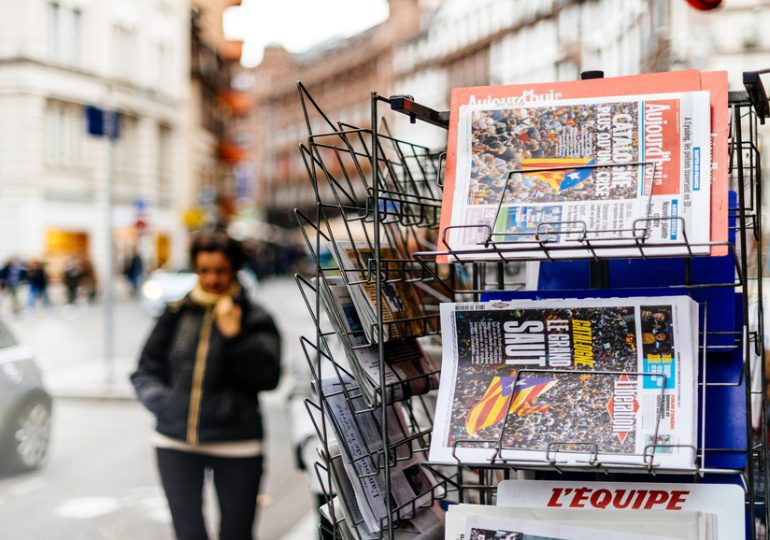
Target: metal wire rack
pixel 383 195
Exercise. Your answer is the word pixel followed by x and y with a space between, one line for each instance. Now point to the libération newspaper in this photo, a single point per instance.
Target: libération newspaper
pixel 569 382
pixel 600 171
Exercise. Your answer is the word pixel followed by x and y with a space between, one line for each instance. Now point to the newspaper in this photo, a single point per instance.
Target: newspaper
pixel 402 314
pixel 408 370
pixel 610 170
pixel 360 440
pixel 336 515
pixel 725 502
pixel 479 522
pixel 569 382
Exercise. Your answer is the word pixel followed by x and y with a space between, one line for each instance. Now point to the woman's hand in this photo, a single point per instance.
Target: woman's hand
pixel 228 317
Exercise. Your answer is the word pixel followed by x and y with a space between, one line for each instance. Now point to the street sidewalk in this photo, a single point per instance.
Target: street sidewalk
pixel 67 341
pixel 69 348
pixel 92 379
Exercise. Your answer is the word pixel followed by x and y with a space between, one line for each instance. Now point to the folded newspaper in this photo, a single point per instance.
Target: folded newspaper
pixel 569 382
pixel 408 370
pixel 604 171
pixel 402 314
pixel 426 524
pixel 359 472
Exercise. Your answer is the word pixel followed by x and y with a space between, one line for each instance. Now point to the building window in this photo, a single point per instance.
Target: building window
pixel 65 34
pixel 164 161
pixel 124 49
pixel 54 30
pixel 126 150
pixel 76 39
pixel 164 67
pixel 64 132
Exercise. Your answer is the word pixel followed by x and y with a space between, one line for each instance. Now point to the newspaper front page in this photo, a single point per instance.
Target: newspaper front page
pixel 569 382
pixel 401 308
pixel 609 170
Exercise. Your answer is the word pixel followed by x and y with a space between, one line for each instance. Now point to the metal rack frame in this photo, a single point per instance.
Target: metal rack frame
pixel 393 197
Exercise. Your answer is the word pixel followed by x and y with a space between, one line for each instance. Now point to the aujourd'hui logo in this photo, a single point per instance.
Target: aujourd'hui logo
pixel 623 407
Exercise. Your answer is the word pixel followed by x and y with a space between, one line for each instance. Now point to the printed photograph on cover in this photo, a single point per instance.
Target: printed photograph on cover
pixel 402 313
pixel 565 525
pixel 408 370
pixel 491 534
pixel 546 407
pixel 574 377
pixel 565 137
pixel 609 169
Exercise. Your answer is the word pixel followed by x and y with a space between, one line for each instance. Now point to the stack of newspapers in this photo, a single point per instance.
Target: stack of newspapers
pixel 357 462
pixel 626 166
pixel 408 369
pixel 603 383
pixel 402 314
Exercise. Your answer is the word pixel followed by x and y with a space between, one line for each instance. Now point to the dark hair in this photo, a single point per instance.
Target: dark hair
pixel 217 241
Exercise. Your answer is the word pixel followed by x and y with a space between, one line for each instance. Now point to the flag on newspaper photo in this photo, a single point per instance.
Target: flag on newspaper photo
pixel 608 379
pixel 556 165
pixel 504 395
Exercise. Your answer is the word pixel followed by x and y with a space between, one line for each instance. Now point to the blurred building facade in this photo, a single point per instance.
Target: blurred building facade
pixel 340 75
pixel 217 113
pixel 459 43
pixel 498 42
pixel 56 57
pixel 166 66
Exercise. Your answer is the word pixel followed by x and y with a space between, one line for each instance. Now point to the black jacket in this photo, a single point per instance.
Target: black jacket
pixel 202 386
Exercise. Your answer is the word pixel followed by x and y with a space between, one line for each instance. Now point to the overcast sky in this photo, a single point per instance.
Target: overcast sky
pixel 298 24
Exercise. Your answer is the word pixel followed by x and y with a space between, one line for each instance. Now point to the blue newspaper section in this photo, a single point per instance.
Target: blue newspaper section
pixel 566 278
pixel 726 411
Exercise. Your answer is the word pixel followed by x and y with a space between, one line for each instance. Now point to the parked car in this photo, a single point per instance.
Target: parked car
pixel 162 287
pixel 25 407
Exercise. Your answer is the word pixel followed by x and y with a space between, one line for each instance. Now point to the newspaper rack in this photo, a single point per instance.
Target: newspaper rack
pixel 374 190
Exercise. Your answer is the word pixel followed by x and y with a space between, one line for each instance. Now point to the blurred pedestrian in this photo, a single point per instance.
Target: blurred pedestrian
pixel 12 275
pixel 73 275
pixel 89 279
pixel 133 270
pixel 38 285
pixel 200 373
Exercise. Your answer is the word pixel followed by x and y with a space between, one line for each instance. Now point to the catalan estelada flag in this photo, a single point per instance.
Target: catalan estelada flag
pixel 559 180
pixel 490 409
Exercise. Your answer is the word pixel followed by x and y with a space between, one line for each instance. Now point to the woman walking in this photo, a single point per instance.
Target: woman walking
pixel 201 369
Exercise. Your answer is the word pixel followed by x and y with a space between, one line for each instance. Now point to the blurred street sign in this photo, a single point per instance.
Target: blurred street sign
pixel 207 195
pixel 194 218
pixel 103 123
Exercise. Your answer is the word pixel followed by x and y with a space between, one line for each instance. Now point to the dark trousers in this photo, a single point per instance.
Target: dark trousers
pixel 236 481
